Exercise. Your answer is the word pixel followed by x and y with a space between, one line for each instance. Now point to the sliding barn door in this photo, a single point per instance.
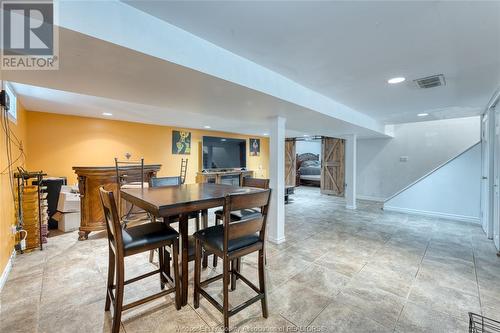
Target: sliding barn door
pixel 332 166
pixel 290 163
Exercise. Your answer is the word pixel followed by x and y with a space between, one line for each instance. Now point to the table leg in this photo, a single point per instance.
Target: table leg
pixel 204 224
pixel 183 228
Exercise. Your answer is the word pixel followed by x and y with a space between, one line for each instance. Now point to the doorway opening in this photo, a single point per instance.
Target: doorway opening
pixel 308 162
pixel 316 162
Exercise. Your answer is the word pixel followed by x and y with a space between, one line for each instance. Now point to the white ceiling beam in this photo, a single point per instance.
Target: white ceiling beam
pixel 118 23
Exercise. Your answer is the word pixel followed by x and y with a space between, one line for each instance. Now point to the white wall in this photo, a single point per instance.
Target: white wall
pixel 380 173
pixel 452 191
pixel 314 147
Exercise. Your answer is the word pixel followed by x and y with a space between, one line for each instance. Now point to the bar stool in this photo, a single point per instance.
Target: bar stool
pixel 238 215
pixel 231 241
pixel 124 242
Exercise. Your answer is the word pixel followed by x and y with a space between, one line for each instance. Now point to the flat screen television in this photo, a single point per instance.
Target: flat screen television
pixel 224 153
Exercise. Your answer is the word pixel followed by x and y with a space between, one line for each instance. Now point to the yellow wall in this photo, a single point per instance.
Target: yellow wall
pixel 59 142
pixel 7 210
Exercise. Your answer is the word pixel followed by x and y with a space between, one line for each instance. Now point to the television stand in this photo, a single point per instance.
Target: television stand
pixel 229 177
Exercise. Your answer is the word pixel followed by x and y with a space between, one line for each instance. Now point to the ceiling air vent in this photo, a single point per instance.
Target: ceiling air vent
pixel 431 81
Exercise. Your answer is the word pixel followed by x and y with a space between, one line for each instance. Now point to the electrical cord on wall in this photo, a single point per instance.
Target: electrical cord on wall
pixel 8 149
pixel 10 140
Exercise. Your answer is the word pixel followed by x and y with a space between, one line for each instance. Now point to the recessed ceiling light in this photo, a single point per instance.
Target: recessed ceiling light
pixel 107 114
pixel 306 135
pixel 265 134
pixel 395 80
pixel 422 114
pixel 206 126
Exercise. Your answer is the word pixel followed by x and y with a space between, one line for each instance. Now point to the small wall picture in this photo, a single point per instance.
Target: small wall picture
pixel 254 147
pixel 181 142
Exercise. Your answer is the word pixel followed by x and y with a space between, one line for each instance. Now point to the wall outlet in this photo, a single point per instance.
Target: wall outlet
pixel 403 159
pixel 13 229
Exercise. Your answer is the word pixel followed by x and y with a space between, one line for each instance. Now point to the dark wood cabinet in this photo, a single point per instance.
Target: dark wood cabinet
pixel 89 181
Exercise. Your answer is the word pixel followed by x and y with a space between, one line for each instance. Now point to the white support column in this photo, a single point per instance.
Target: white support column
pixel 491 171
pixel 350 171
pixel 276 217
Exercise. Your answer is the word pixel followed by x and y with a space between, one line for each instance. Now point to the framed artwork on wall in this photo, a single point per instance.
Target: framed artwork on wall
pixel 254 147
pixel 181 142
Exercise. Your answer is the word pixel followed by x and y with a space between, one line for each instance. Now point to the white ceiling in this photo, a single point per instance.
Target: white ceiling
pixel 347 50
pixel 96 77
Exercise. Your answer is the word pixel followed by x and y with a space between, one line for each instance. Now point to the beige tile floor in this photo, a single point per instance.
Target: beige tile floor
pixel 339 271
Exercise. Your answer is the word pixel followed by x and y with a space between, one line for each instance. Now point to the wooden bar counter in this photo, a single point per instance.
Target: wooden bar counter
pixel 89 181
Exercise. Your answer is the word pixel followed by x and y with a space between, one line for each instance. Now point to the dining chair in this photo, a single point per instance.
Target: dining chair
pixel 124 242
pixel 124 180
pixel 238 215
pixel 231 241
pixel 174 181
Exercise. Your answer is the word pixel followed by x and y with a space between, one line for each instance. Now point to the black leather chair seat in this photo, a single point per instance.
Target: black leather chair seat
pixel 214 237
pixel 148 235
pixel 238 215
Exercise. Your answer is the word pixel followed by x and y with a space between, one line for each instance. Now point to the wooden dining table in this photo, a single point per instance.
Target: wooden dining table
pixel 181 200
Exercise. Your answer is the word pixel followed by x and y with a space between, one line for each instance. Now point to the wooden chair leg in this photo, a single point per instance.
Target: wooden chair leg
pixel 120 278
pixel 151 256
pixel 204 260
pixel 214 264
pixel 177 281
pixel 233 276
pixel 262 283
pixel 204 224
pixel 152 252
pixel 161 264
pixel 238 266
pixel 197 221
pixel 197 274
pixel 167 258
pixel 111 279
pixel 225 286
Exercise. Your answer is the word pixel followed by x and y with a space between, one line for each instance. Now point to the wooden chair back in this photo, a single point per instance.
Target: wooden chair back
pixel 250 225
pixel 122 176
pixel 113 224
pixel 122 169
pixel 165 181
pixel 256 182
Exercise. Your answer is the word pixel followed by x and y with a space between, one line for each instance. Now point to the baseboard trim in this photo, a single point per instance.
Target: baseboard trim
pixel 6 271
pixel 370 198
pixel 462 218
pixel 276 241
